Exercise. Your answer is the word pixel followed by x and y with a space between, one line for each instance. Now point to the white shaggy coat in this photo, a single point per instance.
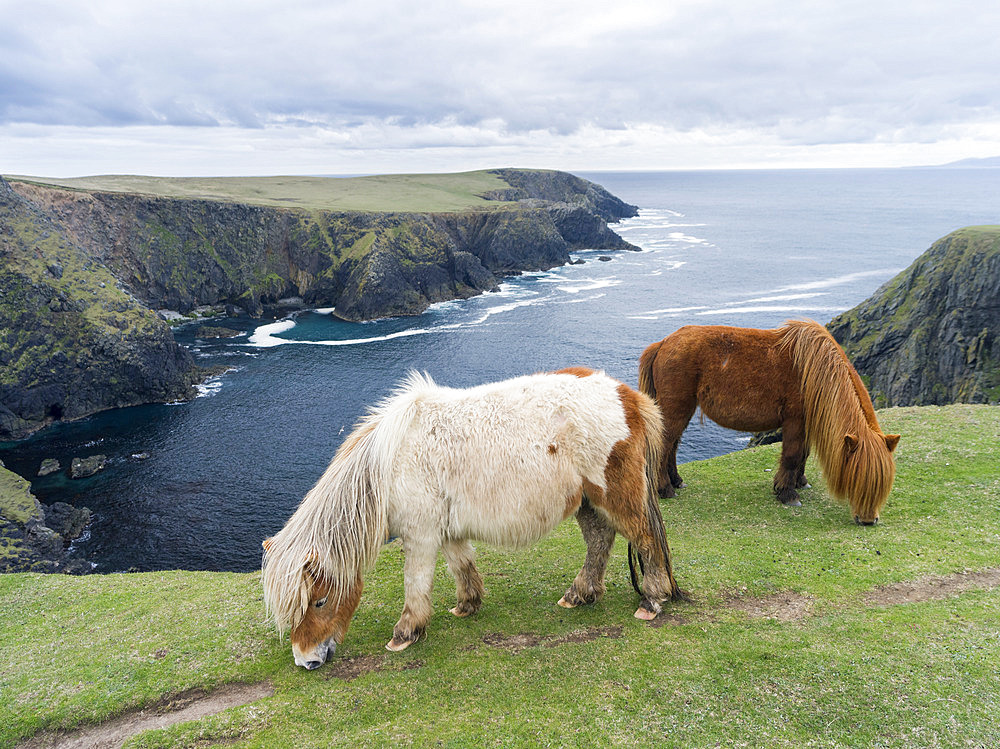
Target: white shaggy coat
pixel 502 463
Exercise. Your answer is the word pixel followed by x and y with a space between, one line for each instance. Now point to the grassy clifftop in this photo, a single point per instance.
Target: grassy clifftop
pixel 398 193
pixel 387 193
pixel 803 630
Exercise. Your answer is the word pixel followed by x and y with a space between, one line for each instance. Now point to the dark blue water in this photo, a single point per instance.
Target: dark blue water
pixel 741 248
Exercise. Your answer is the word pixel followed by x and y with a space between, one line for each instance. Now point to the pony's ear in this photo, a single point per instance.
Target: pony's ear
pixel 311 568
pixel 891 440
pixel 850 443
pixel 266 543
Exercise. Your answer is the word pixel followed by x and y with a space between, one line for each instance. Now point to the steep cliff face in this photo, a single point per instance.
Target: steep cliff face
pixel 178 253
pixel 931 335
pixel 72 341
pixel 81 272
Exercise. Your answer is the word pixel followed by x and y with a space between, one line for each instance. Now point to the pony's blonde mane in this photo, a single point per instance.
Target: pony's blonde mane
pixel 339 527
pixel 836 403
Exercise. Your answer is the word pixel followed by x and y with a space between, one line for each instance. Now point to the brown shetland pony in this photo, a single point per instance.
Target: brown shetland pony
pixel 795 377
pixel 439 467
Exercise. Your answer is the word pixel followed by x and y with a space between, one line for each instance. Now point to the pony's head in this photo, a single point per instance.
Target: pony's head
pixel 306 601
pixel 869 469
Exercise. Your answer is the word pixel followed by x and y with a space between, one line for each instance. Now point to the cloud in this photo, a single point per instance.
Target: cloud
pixel 796 73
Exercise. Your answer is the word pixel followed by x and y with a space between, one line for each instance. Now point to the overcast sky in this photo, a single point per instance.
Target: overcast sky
pixel 364 86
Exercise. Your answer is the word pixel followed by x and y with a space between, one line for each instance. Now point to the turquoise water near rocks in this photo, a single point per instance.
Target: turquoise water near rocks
pixel 738 248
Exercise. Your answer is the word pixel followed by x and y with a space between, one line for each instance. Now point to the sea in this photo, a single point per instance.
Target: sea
pixel 198 485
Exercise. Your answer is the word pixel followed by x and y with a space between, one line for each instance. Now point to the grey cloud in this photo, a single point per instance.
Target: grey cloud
pixel 809 72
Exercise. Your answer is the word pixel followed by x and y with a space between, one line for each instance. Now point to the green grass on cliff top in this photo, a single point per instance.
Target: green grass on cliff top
pixel 405 193
pixel 789 640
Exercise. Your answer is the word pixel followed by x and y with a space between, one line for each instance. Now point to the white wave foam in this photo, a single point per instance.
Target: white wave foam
pixel 674 310
pixel 678 236
pixel 769 308
pixel 324 310
pixel 781 298
pixel 834 280
pixel 589 284
pixel 208 388
pixel 265 335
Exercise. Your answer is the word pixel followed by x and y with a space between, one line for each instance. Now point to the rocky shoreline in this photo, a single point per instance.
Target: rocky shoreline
pixel 82 273
pixel 34 538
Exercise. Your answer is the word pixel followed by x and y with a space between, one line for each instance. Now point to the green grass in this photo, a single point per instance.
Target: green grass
pixel 406 193
pixel 849 673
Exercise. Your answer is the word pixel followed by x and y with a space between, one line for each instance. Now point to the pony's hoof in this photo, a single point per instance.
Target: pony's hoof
pixel 646 616
pixel 460 612
pixel 792 503
pixel 397 645
pixel 566 604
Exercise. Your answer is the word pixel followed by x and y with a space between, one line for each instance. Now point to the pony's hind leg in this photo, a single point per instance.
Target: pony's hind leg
pixel 633 511
pixel 461 558
pixel 418 579
pixel 658 582
pixel 676 414
pixel 588 587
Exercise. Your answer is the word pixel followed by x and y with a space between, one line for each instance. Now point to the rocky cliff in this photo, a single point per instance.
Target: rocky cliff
pixel 72 340
pixel 33 538
pixel 931 335
pixel 81 270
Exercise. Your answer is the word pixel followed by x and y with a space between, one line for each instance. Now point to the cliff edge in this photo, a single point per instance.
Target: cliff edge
pixel 84 262
pixel 931 335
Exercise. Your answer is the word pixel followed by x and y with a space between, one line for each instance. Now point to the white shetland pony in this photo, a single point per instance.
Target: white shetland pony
pixel 502 463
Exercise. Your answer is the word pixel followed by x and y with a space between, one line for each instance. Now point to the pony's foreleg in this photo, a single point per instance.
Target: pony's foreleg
pixel 461 558
pixel 588 586
pixel 792 463
pixel 801 482
pixel 418 580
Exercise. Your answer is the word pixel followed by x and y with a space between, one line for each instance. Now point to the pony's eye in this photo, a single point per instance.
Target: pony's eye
pixel 321 602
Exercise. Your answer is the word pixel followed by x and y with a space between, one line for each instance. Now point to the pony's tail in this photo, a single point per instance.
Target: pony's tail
pixel 652 423
pixel 646 360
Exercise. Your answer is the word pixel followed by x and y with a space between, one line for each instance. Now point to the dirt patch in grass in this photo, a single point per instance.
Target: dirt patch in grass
pixel 190 705
pixel 787 606
pixel 933 588
pixel 665 618
pixel 517 643
pixel 359 665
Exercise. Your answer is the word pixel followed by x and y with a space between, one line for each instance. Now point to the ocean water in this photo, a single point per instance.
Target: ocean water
pixel 738 248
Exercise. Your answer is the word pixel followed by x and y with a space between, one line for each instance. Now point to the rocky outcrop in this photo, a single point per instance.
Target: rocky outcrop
pixel 931 335
pixel 72 340
pixel 560 187
pixel 33 538
pixel 82 468
pixel 80 272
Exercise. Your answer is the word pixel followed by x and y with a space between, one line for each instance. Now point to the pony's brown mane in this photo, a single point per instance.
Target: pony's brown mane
pixel 836 404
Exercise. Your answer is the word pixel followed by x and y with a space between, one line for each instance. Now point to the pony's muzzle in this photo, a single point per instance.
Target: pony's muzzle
pixel 317 657
pixel 859 521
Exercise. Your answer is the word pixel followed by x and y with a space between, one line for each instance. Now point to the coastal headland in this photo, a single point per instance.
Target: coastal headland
pixel 86 263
